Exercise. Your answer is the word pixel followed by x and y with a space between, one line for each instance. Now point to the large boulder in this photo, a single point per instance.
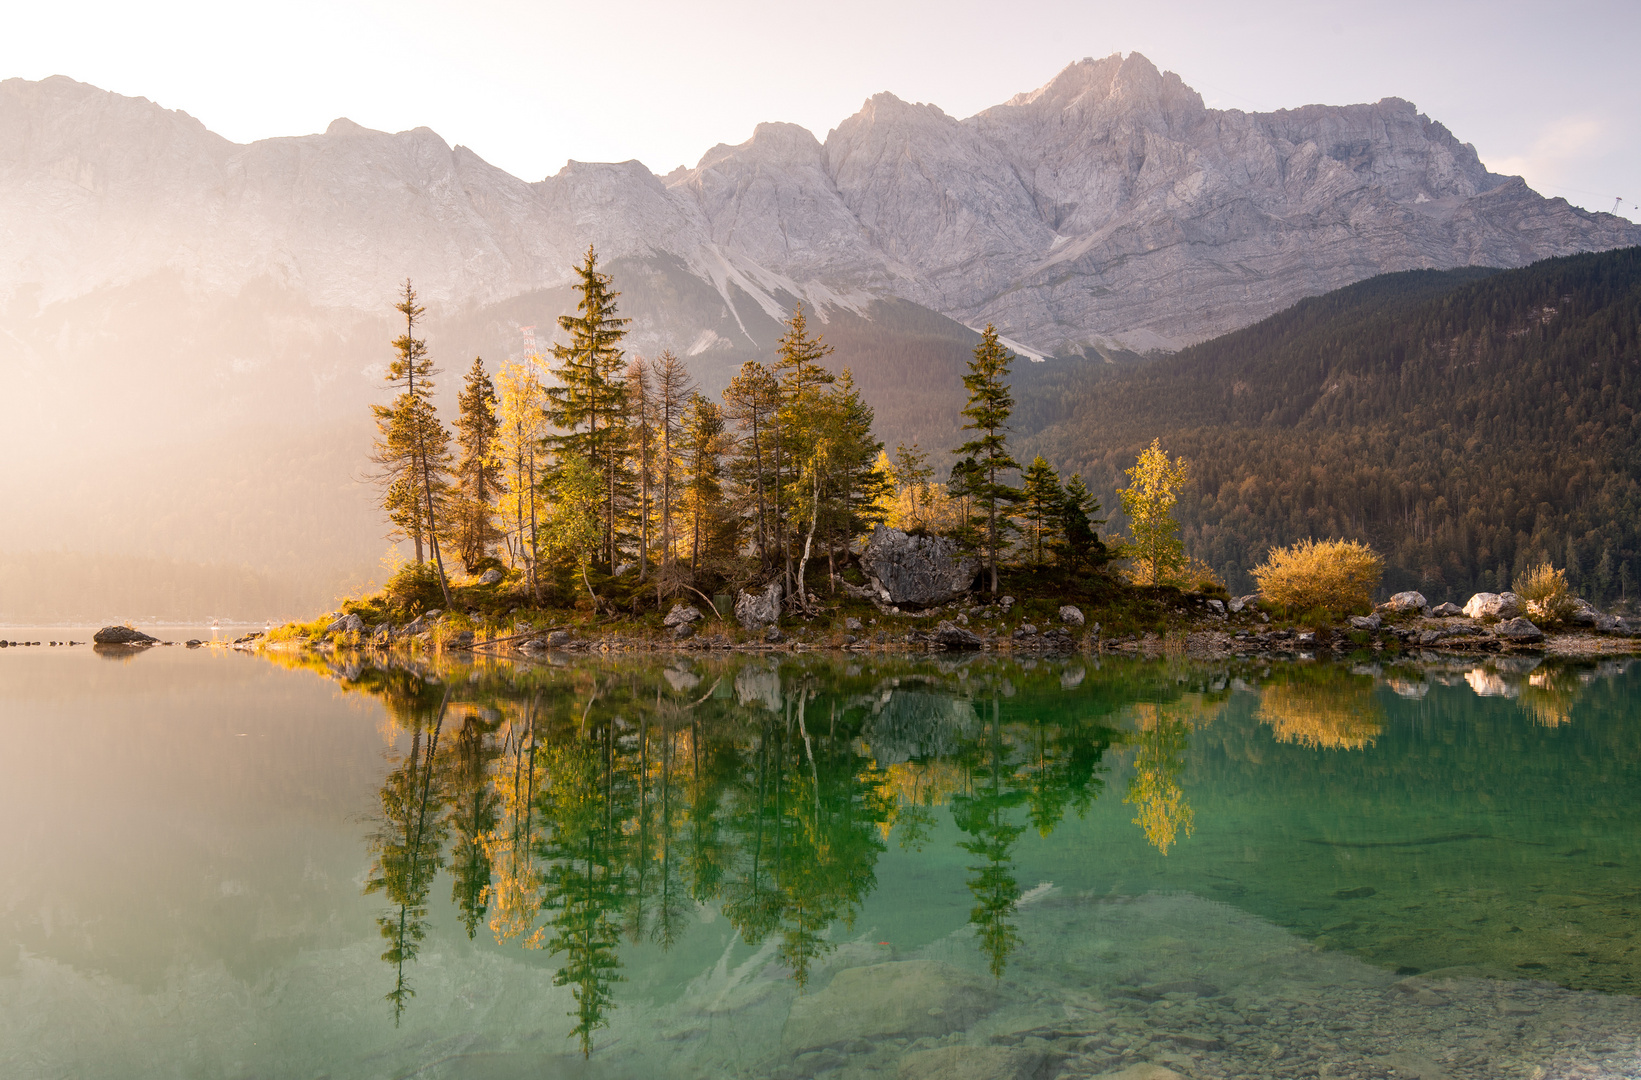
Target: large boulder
pixel 1405 601
pixel 1242 603
pixel 1071 615
pixel 759 609
pixel 1446 611
pixel 1518 631
pixel 491 576
pixel 1486 605
pixel 122 635
pixel 350 623
pixel 681 615
pixel 918 570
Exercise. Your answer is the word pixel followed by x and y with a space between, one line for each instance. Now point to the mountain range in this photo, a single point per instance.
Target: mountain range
pixel 169 295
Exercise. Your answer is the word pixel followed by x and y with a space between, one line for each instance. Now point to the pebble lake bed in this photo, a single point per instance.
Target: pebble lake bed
pixel 796 865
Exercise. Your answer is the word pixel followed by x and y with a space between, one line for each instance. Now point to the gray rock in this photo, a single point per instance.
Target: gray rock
pixel 1405 601
pixel 1518 631
pixel 921 570
pixel 681 615
pixel 953 636
pixel 557 639
pixel 1486 605
pixel 759 609
pixel 909 999
pixel 1216 606
pixel 1584 614
pixel 1242 603
pixel 1071 615
pixel 683 631
pixel 1006 602
pixel 1446 611
pixel 350 623
pixel 971 1063
pixel 851 623
pixel 491 576
pixel 462 639
pixel 1026 630
pixel 1365 622
pixel 122 635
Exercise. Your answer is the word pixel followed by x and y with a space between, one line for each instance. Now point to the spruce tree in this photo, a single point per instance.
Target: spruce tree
pixel 1080 545
pixel 1041 504
pixel 752 400
pixel 412 446
pixel 477 481
pixel 589 404
pixel 988 411
pixel 703 447
pixel 801 377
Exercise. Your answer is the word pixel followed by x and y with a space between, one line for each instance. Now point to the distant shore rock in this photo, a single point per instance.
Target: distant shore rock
pixel 921 570
pixel 1486 605
pixel 1518 631
pixel 1405 601
pixel 122 635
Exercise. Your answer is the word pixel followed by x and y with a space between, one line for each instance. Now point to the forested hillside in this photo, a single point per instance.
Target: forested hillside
pixel 1466 423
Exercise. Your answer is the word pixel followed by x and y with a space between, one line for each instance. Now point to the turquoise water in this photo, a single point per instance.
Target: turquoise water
pixel 809 866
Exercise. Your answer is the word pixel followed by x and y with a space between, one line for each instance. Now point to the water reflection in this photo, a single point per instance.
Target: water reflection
pixel 580 809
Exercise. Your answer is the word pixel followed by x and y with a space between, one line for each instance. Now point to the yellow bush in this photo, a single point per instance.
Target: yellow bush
pixel 1545 591
pixel 1337 575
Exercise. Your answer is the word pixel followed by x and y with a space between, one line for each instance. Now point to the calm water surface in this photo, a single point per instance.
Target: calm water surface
pixel 222 866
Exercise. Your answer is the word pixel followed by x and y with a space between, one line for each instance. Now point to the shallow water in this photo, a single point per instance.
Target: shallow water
pixel 807 866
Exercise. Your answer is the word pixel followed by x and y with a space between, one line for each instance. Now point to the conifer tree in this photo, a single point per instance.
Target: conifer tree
pixel 801 377
pixel 1042 503
pixel 912 474
pixel 703 448
pixel 1080 544
pixel 516 454
pixel 589 404
pixel 641 418
pixel 752 400
pixel 988 411
pixel 673 390
pixel 412 446
pixel 856 487
pixel 476 475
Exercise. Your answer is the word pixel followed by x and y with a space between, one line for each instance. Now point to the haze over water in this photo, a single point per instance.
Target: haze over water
pixel 221 866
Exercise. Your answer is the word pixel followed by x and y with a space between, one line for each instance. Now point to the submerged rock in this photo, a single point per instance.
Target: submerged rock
pixel 922 570
pixel 907 999
pixel 122 635
pixel 971 1063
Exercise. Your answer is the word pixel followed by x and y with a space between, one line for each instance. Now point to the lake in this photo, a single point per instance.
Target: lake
pixel 809 865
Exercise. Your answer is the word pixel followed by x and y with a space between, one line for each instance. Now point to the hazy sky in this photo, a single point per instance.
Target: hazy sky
pixel 1550 91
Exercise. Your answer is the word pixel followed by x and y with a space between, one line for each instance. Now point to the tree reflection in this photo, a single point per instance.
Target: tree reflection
pixel 1321 708
pixel 579 809
pixel 1161 810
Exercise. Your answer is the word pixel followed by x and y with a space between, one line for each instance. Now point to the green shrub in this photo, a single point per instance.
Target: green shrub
pixel 414 589
pixel 1544 590
pixel 1339 576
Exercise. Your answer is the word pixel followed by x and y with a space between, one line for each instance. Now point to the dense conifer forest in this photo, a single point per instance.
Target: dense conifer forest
pixel 1466 423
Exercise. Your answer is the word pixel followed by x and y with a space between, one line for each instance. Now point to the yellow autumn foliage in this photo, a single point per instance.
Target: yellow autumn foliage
pixel 1335 575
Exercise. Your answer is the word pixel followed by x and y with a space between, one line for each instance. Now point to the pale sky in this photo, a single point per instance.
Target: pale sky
pixel 1547 91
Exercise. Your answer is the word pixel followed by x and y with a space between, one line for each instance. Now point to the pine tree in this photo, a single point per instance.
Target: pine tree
pixel 476 474
pixel 703 447
pixel 912 474
pixel 412 446
pixel 1042 502
pixel 641 418
pixel 801 377
pixel 988 411
pixel 856 487
pixel 589 404
pixel 673 390
pixel 1080 545
pixel 752 400
pixel 516 454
